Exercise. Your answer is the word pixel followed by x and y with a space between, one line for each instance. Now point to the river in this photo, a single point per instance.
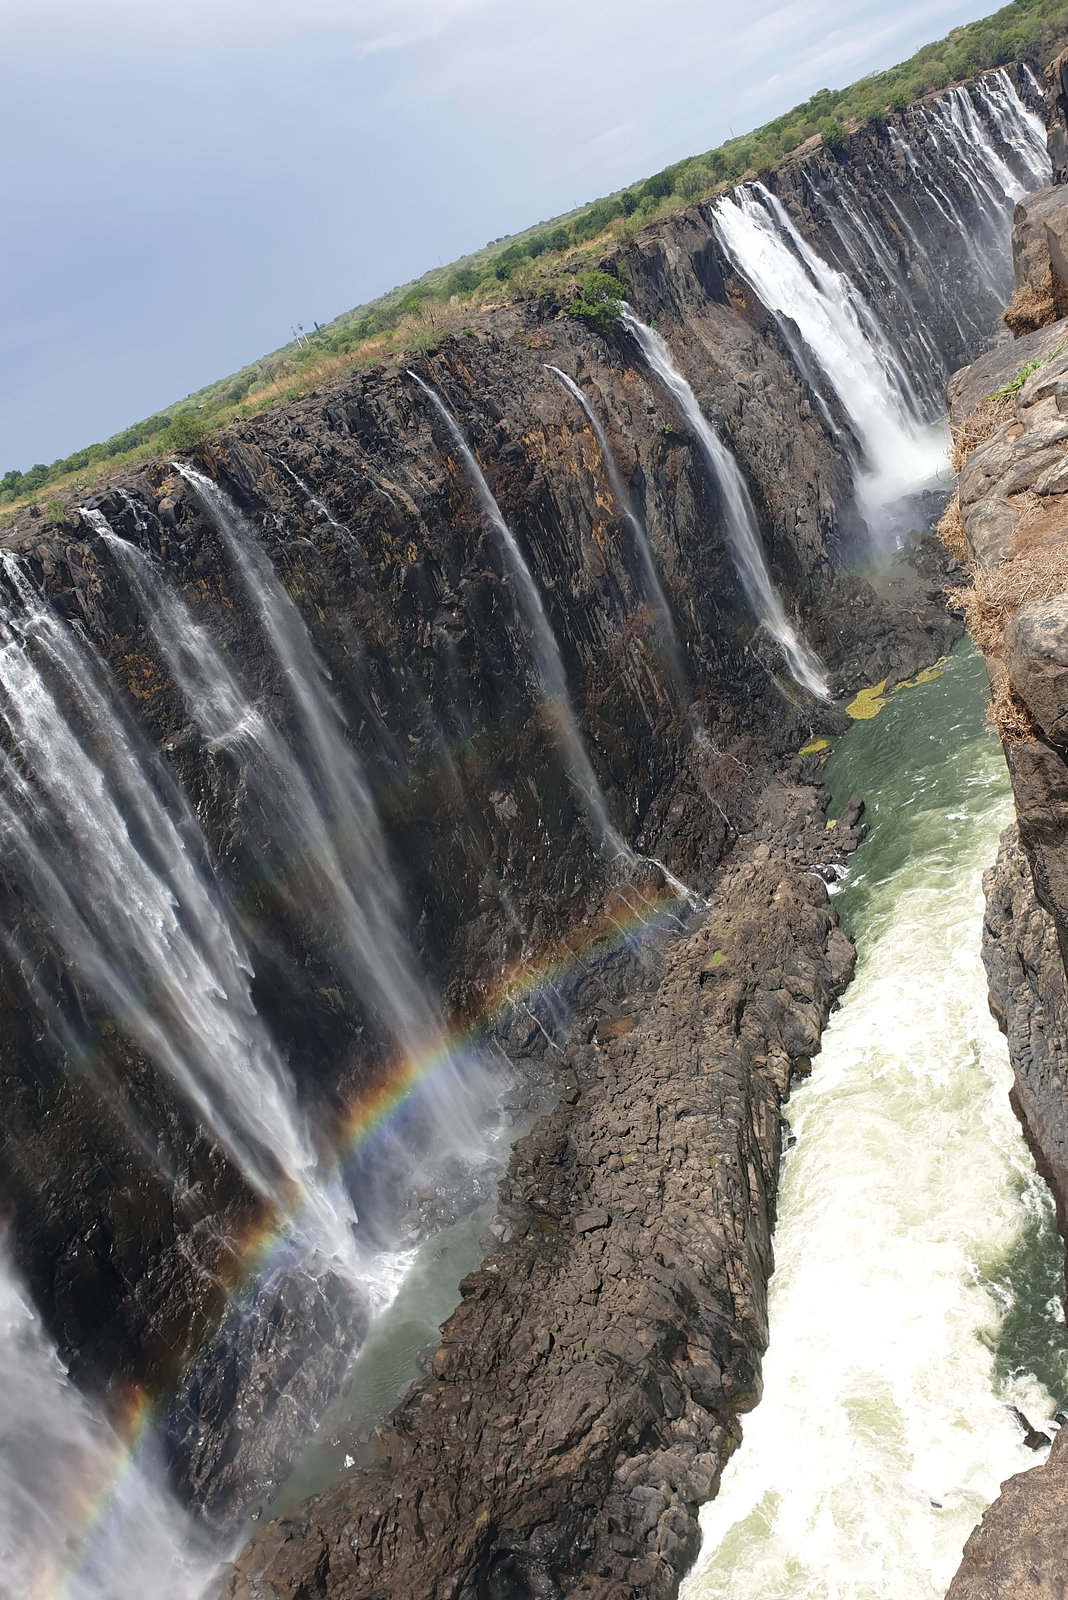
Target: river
pixel 919 1276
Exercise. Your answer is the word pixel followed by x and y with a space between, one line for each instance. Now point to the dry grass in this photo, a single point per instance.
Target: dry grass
pixel 1038 573
pixel 951 532
pixel 1006 715
pixel 979 427
pixel 1031 308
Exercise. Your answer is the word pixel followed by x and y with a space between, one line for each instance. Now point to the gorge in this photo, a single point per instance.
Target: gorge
pixel 436 757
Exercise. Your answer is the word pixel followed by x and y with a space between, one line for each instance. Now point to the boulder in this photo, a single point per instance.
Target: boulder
pixel 1040 260
pixel 1019 1547
pixel 1035 653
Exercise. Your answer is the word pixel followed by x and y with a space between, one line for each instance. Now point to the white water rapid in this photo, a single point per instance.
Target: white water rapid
pixel 743 532
pixel 547 658
pixel 884 1429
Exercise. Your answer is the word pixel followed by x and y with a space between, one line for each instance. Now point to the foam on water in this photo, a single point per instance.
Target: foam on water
pixel 884 1432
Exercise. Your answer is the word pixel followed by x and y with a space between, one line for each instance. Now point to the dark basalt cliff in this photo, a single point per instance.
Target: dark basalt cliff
pixel 406 603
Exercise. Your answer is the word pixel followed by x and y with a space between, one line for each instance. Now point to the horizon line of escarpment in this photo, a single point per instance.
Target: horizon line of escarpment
pixel 548 259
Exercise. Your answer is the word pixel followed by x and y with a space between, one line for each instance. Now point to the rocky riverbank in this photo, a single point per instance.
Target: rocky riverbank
pixel 1010 417
pixel 585 1394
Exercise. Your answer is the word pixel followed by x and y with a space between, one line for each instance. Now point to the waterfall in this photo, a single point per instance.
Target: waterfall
pixel 897 451
pixel 316 504
pixel 316 828
pixel 866 325
pixel 111 857
pixel 547 658
pixel 79 1517
pixel 743 533
pixel 321 826
pixel 652 587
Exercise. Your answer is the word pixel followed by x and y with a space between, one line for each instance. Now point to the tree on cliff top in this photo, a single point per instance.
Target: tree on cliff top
pixel 598 300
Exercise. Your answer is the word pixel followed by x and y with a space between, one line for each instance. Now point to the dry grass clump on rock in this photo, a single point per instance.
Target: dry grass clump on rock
pixel 950 530
pixel 978 428
pixel 1006 715
pixel 1030 308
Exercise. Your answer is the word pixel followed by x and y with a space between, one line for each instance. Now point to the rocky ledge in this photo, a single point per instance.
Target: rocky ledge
pixel 586 1392
pixel 1010 417
pixel 1018 1548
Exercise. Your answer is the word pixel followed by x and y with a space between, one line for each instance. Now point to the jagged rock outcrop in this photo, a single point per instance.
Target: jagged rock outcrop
pixel 1010 411
pixel 1029 999
pixel 1057 115
pixel 584 1396
pixel 1018 1548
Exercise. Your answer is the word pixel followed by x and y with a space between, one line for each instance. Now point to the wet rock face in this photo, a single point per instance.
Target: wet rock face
pixel 1018 1548
pixel 1014 505
pixel 1029 1000
pixel 1057 115
pixel 585 1394
pixel 1036 659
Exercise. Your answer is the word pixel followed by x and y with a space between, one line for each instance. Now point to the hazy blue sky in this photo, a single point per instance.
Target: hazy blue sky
pixel 184 179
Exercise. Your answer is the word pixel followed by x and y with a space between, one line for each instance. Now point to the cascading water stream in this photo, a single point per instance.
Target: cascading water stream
pixel 880 359
pixel 316 829
pixel 62 1460
pixel 743 534
pixel 547 658
pixel 343 806
pixel 111 855
pixel 895 1349
pixel 653 588
pixel 897 450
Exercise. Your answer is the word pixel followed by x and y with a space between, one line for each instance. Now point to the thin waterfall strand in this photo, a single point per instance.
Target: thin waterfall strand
pixel 547 657
pixel 653 588
pixel 743 534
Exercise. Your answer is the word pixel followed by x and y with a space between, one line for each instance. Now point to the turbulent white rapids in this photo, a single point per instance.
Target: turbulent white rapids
pixel 883 1432
pixel 743 532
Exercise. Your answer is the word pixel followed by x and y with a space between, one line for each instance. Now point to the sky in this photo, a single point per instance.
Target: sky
pixel 184 180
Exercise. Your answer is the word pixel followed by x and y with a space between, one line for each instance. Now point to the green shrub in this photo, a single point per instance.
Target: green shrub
pixel 659 185
pixel 833 134
pixel 597 302
pixel 186 431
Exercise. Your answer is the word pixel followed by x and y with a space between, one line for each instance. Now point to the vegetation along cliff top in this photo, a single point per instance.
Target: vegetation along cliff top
pixel 555 259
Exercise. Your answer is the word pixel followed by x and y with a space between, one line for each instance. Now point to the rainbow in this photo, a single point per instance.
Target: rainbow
pixel 630 915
